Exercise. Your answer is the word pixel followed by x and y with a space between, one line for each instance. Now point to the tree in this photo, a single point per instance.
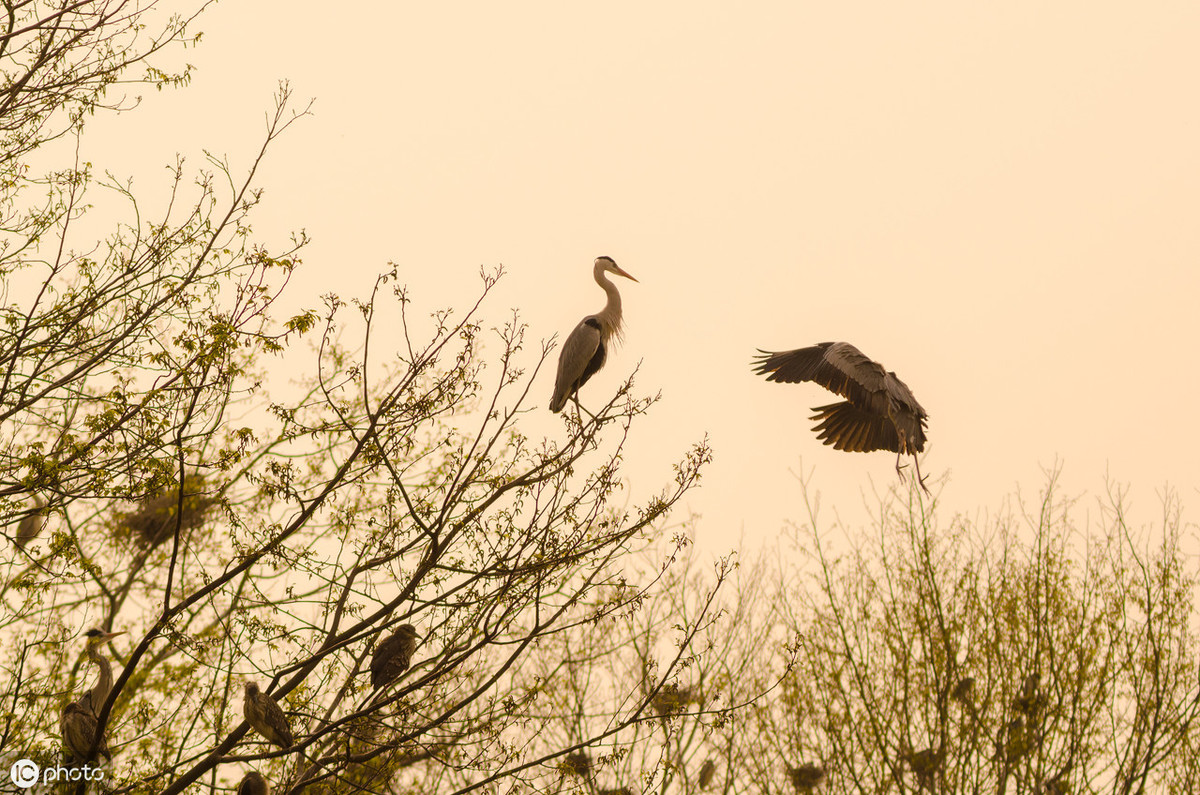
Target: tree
pixel 240 528
pixel 1029 654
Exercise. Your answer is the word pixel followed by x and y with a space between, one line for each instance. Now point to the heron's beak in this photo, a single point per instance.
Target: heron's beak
pixel 110 635
pixel 620 272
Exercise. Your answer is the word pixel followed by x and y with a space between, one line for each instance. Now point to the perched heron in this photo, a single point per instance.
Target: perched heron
pixel 93 700
pixel 265 717
pixel 585 350
pixel 707 770
pixel 806 777
pixel 393 655
pixel 33 523
pixel 253 784
pixel 962 690
pixel 577 763
pixel 879 413
pixel 926 765
pixel 79 732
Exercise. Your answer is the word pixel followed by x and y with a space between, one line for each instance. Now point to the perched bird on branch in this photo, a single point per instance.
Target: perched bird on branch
pixel 393 655
pixel 707 770
pixel 265 717
pixel 586 348
pixel 806 777
pixel 33 523
pixel 253 784
pixel 79 727
pixel 879 413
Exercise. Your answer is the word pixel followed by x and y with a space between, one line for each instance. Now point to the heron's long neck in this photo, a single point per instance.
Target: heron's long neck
pixel 610 315
pixel 105 682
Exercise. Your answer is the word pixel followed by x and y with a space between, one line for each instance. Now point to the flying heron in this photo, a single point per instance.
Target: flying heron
pixel 586 348
pixel 93 700
pixel 32 523
pixel 879 413
pixel 253 784
pixel 393 655
pixel 265 717
pixel 79 733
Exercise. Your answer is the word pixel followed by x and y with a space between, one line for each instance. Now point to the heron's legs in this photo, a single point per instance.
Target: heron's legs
pixel 579 407
pixel 920 480
pixel 917 464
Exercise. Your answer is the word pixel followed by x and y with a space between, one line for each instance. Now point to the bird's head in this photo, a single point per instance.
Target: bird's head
pixel 610 265
pixel 408 630
pixel 98 637
pixel 252 690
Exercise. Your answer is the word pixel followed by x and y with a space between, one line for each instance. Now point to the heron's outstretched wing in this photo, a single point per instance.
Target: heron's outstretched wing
pixel 847 427
pixel 838 366
pixel 582 355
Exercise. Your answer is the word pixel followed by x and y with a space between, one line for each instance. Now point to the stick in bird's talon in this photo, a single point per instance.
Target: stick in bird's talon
pixel 586 348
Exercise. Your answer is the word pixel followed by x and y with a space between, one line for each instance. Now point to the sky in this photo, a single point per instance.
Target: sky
pixel 997 201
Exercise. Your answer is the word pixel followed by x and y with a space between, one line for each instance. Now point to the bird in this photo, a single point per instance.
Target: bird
pixel 253 784
pixel 79 733
pixel 879 413
pixel 806 777
pixel 577 763
pixel 393 655
pixel 926 764
pixel 962 691
pixel 32 523
pixel 706 773
pixel 265 717
pixel 93 700
pixel 586 349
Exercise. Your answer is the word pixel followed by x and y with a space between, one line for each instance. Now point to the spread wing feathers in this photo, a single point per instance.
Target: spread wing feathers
pixel 582 355
pixel 847 427
pixel 846 371
pixel 838 366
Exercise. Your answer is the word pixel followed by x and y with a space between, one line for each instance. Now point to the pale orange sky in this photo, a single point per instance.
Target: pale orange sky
pixel 1001 202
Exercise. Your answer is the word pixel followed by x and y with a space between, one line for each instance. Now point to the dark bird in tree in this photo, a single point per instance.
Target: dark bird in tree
pixel 393 655
pixel 577 763
pixel 806 777
pixel 585 350
pixel 253 784
pixel 926 765
pixel 265 717
pixel 879 413
pixel 93 700
pixel 707 770
pixel 32 523
pixel 79 733
pixel 962 691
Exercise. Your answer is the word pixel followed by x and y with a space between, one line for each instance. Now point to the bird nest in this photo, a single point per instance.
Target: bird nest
pixel 154 520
